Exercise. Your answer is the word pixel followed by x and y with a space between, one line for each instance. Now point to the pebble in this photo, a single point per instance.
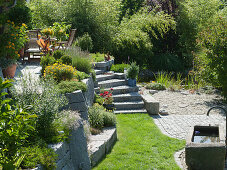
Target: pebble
pixel 153 91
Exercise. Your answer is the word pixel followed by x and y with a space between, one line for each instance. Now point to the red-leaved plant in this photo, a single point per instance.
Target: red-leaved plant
pixel 107 96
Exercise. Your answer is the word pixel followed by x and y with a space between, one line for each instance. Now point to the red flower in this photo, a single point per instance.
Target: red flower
pixel 101 94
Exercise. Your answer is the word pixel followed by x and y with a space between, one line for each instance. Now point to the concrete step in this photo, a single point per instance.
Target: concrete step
pixel 121 89
pixel 134 96
pixel 130 111
pixel 103 77
pixel 129 105
pixel 111 83
pixel 98 72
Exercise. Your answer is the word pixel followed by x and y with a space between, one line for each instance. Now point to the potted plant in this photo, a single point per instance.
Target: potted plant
pixel 132 74
pixel 47 32
pixel 14 38
pixel 108 99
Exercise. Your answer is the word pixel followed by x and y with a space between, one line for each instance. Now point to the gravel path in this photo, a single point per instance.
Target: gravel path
pixel 185 103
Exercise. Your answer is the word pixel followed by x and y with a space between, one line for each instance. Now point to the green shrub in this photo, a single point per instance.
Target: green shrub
pixel 95 117
pixel 119 68
pixel 71 86
pixel 84 42
pixel 97 57
pixel 155 86
pixel 99 118
pixel 58 54
pixel 132 44
pixel 133 71
pixel 20 14
pixel 39 155
pixel 59 72
pixel 46 61
pixel 93 75
pixel 65 59
pixel 166 62
pixel 109 119
pixel 81 75
pixel 16 127
pixel 40 97
pixel 98 99
pixel 82 64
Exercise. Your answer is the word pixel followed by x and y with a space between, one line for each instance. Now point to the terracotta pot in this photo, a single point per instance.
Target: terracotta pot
pixel 10 71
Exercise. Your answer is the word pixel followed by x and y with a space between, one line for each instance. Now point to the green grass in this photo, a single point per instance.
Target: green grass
pixel 141 145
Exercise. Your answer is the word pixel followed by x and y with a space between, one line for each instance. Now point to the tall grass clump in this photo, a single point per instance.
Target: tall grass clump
pixel 80 59
pixel 42 98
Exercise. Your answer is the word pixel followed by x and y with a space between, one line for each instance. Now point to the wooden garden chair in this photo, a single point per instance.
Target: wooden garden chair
pixel 66 44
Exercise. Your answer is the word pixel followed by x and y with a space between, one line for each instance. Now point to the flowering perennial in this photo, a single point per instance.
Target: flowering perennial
pixel 60 72
pixel 107 96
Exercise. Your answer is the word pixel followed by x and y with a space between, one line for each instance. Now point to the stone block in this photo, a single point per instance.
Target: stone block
pixel 209 156
pixel 112 140
pixel 101 144
pixel 78 149
pixel 84 115
pixel 151 105
pixel 75 97
pixel 97 149
pixel 81 107
pixel 89 94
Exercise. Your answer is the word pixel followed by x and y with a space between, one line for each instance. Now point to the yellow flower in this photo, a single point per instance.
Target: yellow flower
pixel 8 21
pixel 24 25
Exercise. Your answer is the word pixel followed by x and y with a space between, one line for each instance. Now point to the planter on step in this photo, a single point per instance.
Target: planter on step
pixel 132 82
pixel 109 106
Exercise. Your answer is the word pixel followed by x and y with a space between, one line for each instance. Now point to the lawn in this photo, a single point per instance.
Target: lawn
pixel 141 145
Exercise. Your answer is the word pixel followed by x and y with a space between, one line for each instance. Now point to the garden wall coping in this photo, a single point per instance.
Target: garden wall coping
pixel 101 144
pixel 151 105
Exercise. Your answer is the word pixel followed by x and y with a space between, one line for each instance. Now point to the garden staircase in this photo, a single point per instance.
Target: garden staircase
pixel 126 98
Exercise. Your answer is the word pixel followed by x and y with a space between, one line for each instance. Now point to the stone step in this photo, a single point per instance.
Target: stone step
pixel 103 77
pixel 111 83
pixel 98 72
pixel 121 89
pixel 129 105
pixel 130 111
pixel 134 96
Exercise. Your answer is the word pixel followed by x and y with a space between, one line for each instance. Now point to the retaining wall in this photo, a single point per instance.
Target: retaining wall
pixel 73 155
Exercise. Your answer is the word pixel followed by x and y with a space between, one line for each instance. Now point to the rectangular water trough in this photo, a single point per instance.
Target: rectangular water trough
pixel 205 148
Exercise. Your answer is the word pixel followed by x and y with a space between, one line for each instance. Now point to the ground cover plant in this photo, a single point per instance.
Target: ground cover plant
pixel 141 145
pixel 119 68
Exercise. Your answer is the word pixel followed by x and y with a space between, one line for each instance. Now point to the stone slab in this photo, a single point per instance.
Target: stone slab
pixel 75 97
pixel 101 144
pixel 151 105
pixel 89 94
pixel 81 107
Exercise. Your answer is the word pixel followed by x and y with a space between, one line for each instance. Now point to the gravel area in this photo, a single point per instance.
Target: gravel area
pixel 184 102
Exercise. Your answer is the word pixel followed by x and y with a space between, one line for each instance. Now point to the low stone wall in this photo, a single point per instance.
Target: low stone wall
pixel 104 65
pixel 101 144
pixel 80 101
pixel 72 155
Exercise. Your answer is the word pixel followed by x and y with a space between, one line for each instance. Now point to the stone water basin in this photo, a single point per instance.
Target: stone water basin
pixel 205 148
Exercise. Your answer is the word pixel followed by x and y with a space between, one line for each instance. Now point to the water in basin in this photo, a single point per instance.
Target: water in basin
pixel 206 135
